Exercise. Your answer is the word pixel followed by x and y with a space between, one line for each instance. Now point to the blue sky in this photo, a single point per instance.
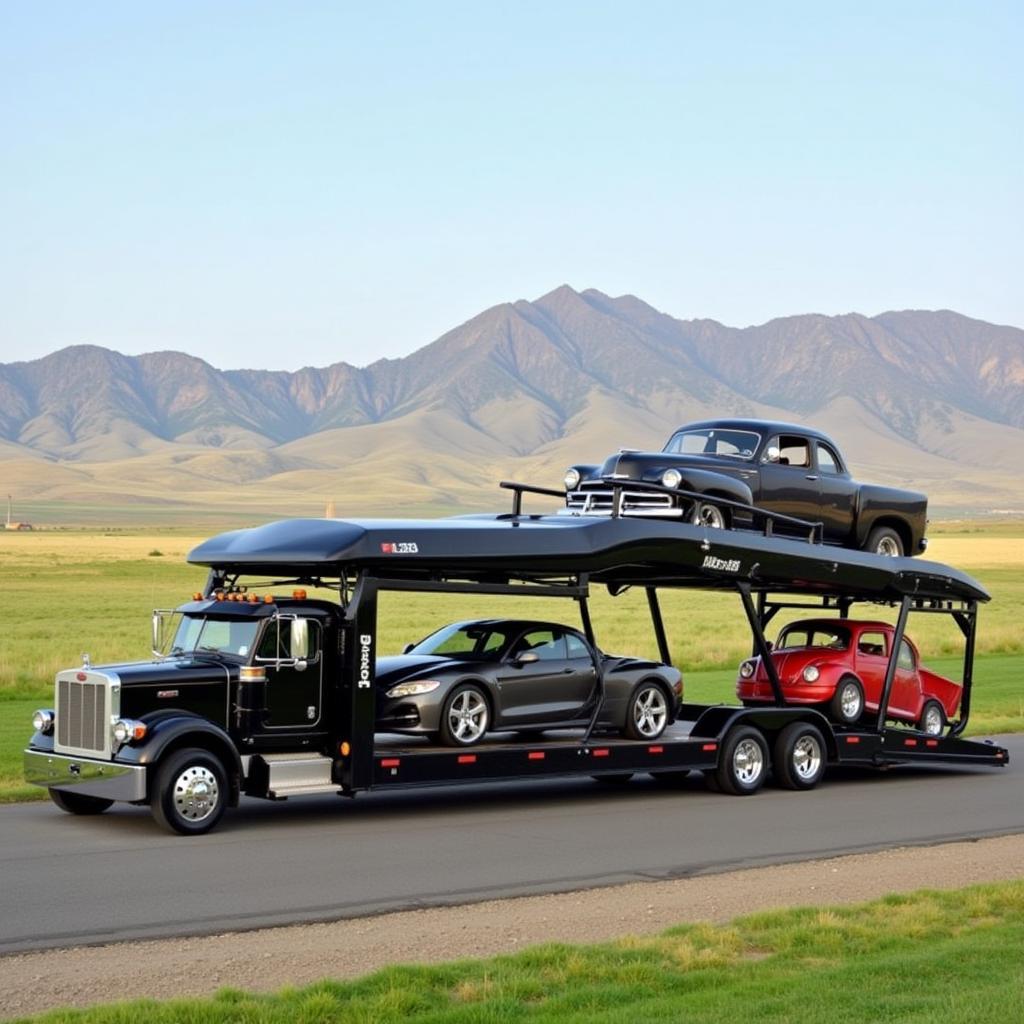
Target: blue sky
pixel 279 185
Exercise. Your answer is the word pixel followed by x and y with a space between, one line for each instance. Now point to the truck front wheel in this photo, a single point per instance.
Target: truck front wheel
pixel 190 792
pixel 77 803
pixel 885 541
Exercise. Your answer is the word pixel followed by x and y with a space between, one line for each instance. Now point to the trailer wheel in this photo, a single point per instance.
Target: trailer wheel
pixel 933 718
pixel 744 763
pixel 465 716
pixel 78 803
pixel 847 704
pixel 647 712
pixel 799 756
pixel 884 540
pixel 190 792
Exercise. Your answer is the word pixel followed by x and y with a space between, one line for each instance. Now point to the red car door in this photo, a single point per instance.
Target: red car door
pixel 906 686
pixel 871 658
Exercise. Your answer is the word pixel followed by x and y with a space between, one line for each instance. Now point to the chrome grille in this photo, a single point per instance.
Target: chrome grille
pixel 83 714
pixel 599 503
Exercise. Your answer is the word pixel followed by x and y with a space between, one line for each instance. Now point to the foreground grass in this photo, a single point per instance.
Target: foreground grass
pixel 925 958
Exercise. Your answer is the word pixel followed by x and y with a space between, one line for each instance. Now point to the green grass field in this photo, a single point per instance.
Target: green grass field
pixel 926 958
pixel 66 592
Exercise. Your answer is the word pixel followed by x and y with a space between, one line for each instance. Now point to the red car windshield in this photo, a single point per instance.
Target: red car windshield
pixel 824 635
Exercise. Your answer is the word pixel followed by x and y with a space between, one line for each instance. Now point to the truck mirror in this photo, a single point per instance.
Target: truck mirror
pixel 157 645
pixel 299 641
pixel 773 453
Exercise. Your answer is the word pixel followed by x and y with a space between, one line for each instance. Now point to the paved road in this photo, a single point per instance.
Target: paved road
pixel 65 880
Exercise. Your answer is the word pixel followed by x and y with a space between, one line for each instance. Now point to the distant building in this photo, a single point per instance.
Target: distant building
pixel 17 526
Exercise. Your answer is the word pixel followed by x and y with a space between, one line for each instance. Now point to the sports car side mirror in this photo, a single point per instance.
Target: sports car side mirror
pixel 527 658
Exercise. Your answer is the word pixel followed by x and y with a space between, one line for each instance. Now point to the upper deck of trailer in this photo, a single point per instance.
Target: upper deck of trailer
pixel 617 551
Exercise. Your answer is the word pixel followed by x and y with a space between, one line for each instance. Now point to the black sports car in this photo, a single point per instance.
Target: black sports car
pixel 779 467
pixel 470 678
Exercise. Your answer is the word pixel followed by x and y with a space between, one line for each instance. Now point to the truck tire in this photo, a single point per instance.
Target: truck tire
pixel 78 803
pixel 190 792
pixel 933 718
pixel 847 703
pixel 744 764
pixel 884 540
pixel 799 756
pixel 465 717
pixel 646 712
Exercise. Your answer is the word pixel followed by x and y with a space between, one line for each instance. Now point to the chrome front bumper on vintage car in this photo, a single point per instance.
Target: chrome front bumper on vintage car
pixel 107 780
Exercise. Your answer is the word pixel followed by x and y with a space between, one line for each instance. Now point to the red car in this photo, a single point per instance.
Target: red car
pixel 840 665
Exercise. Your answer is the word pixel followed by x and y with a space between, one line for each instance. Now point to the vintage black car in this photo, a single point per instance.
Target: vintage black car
pixel 779 467
pixel 470 678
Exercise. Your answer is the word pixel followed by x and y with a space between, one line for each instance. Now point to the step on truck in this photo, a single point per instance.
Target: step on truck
pixel 262 685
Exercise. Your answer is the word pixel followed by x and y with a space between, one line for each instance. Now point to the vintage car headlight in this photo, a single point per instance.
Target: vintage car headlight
pixel 811 674
pixel 42 721
pixel 414 689
pixel 571 479
pixel 746 669
pixel 671 478
pixel 127 729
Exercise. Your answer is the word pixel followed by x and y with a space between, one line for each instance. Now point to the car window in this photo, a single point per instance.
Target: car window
pixel 794 451
pixel 872 643
pixel 738 444
pixel 546 644
pixel 466 641
pixel 906 658
pixel 828 461
pixel 577 648
pixel 834 638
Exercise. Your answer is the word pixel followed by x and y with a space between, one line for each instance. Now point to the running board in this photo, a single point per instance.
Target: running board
pixel 279 776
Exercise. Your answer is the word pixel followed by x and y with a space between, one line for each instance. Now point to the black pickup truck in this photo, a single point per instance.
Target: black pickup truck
pixel 779 467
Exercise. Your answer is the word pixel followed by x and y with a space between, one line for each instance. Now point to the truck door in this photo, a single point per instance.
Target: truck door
pixel 295 681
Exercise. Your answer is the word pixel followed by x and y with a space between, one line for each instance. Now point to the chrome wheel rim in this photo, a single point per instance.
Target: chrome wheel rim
pixel 650 711
pixel 933 721
pixel 806 757
pixel 747 762
pixel 889 547
pixel 467 716
pixel 196 793
pixel 710 516
pixel 850 701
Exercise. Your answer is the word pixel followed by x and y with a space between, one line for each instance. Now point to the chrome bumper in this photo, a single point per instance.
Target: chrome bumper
pixel 105 779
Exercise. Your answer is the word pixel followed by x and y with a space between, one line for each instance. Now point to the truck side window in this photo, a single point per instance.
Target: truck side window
pixel 795 451
pixel 906 657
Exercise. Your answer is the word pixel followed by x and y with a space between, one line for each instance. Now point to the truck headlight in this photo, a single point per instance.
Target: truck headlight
pixel 127 729
pixel 746 669
pixel 42 721
pixel 811 674
pixel 414 689
pixel 671 478
pixel 571 479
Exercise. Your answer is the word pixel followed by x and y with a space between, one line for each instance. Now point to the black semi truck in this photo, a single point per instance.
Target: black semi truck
pixel 270 691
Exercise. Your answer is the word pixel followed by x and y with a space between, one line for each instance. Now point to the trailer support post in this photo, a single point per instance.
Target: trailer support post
pixel 968 623
pixel 659 625
pixel 890 668
pixel 760 644
pixel 358 667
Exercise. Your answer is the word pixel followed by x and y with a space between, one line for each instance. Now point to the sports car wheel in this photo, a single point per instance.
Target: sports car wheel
pixel 847 705
pixel 465 716
pixel 744 763
pixel 799 756
pixel 883 540
pixel 933 718
pixel 647 713
pixel 77 803
pixel 706 514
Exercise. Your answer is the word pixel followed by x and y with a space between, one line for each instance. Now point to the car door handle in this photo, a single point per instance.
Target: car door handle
pixel 810 476
pixel 567 671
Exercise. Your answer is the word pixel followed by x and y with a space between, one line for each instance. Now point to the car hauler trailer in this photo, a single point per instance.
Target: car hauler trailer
pixel 190 735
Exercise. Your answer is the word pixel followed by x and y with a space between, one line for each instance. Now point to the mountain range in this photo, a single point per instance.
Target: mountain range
pixel 928 399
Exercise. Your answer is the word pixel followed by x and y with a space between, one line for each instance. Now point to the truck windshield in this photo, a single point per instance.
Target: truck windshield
pixel 198 634
pixel 737 444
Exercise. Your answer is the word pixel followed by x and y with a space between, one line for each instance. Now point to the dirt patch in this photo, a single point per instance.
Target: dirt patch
pixel 271 958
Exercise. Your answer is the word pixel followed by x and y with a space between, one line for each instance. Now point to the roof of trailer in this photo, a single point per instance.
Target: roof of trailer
pixel 615 551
